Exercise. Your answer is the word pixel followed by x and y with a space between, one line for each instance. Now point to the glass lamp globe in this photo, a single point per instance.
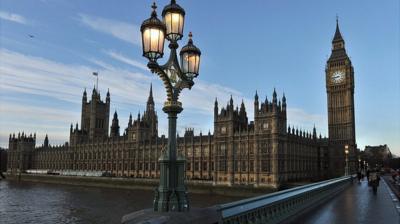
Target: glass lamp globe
pixel 190 59
pixel 174 19
pixel 153 36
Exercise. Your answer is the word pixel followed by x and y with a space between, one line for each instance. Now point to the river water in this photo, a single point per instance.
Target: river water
pixel 26 202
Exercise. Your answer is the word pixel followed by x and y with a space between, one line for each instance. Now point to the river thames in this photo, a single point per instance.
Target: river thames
pixel 28 202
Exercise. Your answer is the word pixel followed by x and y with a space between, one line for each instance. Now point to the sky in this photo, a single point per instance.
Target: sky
pixel 49 49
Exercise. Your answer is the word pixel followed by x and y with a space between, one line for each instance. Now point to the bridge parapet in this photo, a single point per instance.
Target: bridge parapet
pixel 281 206
pixel 270 208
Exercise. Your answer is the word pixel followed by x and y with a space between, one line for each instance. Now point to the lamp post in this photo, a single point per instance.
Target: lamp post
pixel 346 152
pixel 171 193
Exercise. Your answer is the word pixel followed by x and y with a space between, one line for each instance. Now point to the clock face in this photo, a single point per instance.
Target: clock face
pixel 337 77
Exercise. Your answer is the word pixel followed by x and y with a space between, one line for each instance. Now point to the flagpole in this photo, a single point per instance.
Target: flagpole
pixel 97 80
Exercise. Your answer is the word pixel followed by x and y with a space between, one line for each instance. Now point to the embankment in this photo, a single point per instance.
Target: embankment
pixel 200 187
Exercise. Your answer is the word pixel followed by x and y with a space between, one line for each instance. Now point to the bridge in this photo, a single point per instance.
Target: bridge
pixel 341 200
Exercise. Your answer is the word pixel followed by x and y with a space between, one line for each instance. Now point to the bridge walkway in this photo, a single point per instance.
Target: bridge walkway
pixel 358 204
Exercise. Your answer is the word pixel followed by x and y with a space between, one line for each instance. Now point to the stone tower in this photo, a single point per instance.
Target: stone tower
pixel 94 119
pixel 20 150
pixel 227 123
pixel 340 99
pixel 270 129
pixel 95 115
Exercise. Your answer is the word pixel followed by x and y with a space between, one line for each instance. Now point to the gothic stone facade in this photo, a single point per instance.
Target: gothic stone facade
pixel 263 152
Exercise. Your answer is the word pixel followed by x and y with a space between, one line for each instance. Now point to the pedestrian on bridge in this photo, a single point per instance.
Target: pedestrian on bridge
pixel 374 180
pixel 359 175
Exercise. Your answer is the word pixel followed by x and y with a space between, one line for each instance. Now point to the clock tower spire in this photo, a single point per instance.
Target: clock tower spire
pixel 339 75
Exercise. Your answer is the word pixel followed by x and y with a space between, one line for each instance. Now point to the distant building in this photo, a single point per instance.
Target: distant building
pixel 263 152
pixel 377 155
pixel 3 160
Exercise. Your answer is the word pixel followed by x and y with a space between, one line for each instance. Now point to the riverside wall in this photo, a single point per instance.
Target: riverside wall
pixel 199 187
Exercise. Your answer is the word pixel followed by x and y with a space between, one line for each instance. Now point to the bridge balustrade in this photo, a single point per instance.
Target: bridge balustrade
pixel 283 205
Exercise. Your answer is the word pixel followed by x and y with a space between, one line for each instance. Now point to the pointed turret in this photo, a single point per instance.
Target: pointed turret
pixel 283 102
pixel 231 102
pixel 130 120
pixel 108 96
pixel 242 107
pixel 338 36
pixel 338 49
pixel 256 104
pixel 274 99
pixel 314 135
pixel 150 100
pixel 215 108
pixel 46 141
pixel 114 132
pixel 84 97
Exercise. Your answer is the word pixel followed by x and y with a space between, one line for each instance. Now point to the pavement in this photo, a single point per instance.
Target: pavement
pixel 357 204
pixel 392 185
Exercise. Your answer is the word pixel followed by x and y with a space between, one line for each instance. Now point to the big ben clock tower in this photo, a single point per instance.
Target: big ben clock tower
pixel 340 92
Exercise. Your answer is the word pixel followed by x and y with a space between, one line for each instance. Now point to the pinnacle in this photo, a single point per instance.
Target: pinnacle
pixel 338 35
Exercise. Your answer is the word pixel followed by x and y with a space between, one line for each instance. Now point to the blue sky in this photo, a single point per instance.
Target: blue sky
pixel 246 46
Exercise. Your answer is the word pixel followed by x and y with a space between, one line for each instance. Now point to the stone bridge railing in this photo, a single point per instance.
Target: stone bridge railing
pixel 280 206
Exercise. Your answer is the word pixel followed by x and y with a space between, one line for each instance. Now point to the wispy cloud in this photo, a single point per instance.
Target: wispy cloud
pixel 35 119
pixel 64 83
pixel 299 118
pixel 13 17
pixel 126 60
pixel 124 31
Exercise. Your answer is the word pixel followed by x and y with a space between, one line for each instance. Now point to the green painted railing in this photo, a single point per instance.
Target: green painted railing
pixel 281 206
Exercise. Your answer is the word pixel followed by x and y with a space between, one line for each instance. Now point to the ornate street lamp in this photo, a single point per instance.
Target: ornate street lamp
pixel 171 194
pixel 346 151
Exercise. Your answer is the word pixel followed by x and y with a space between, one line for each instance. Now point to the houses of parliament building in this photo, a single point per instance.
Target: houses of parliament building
pixel 263 152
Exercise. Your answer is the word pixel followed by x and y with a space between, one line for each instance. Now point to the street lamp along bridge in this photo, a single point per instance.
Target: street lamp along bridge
pixel 171 193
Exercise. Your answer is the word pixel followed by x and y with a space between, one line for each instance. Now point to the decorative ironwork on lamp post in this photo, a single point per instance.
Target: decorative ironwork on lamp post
pixel 346 151
pixel 171 193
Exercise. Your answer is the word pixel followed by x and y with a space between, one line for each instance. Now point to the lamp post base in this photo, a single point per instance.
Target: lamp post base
pixel 167 198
